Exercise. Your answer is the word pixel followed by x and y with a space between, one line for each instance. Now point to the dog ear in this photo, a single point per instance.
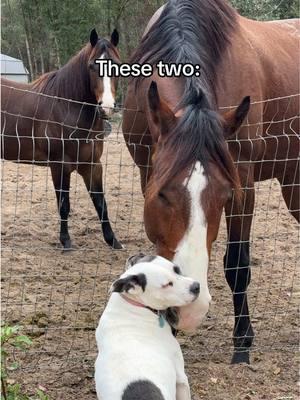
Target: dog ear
pixel 129 283
pixel 131 261
pixel 140 257
pixel 171 315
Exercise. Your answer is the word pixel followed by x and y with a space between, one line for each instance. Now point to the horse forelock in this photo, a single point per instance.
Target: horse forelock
pixel 105 46
pixel 197 136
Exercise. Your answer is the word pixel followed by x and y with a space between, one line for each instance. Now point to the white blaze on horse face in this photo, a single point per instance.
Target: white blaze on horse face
pixel 107 99
pixel 191 253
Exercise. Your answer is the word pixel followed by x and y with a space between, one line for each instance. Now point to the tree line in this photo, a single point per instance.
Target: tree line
pixel 46 34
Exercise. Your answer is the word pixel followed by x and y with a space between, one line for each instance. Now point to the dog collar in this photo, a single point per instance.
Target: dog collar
pixel 161 319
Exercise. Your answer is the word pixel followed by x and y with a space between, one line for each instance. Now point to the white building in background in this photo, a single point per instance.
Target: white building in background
pixel 13 69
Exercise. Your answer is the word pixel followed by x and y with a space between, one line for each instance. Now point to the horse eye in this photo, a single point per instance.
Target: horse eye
pixel 163 197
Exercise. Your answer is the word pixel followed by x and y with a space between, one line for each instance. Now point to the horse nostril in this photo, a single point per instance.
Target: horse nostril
pixel 195 288
pixel 100 103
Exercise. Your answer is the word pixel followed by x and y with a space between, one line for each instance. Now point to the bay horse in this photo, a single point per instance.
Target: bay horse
pixel 56 120
pixel 196 159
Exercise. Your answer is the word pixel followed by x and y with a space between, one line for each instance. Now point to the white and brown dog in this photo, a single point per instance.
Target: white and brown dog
pixel 139 358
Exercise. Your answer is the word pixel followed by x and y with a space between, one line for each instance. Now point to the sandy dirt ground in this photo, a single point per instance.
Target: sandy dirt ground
pixel 58 297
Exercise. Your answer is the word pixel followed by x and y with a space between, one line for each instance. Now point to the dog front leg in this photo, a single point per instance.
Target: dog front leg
pixel 182 384
pixel 183 391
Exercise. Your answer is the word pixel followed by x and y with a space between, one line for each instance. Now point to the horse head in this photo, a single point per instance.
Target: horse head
pixel 193 177
pixel 104 87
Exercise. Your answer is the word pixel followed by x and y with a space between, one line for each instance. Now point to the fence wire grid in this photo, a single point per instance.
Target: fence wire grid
pixel 58 297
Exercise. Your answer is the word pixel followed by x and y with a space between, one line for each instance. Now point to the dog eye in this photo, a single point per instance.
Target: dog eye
pixel 167 284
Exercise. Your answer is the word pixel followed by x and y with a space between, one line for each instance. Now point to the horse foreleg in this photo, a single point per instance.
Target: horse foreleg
pixel 238 273
pixel 92 176
pixel 290 188
pixel 61 179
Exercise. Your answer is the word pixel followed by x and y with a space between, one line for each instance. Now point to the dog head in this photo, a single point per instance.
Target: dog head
pixel 156 283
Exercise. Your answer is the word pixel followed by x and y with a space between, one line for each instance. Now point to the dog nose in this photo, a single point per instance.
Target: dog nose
pixel 195 288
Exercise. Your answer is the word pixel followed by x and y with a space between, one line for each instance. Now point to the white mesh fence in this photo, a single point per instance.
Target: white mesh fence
pixel 58 297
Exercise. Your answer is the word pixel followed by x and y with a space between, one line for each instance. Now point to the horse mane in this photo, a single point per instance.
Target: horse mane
pixel 193 31
pixel 72 80
pixel 196 32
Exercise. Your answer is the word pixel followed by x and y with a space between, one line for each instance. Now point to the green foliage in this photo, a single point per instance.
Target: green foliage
pixel 12 340
pixel 45 34
pixel 14 392
pixel 267 9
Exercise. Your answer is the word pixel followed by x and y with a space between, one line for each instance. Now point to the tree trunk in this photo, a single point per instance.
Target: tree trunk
pixel 42 60
pixel 27 44
pixel 29 57
pixel 108 15
pixel 57 52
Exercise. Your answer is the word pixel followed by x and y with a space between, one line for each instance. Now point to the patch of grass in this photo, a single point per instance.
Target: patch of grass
pixel 12 339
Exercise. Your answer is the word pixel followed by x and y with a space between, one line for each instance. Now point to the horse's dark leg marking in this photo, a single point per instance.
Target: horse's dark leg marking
pixel 238 273
pixel 61 179
pixel 290 188
pixel 92 176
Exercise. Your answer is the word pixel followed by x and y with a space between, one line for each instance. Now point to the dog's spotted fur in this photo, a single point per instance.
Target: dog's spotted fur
pixel 139 358
pixel 142 390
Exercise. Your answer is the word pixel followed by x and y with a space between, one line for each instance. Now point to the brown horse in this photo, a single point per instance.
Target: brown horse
pixel 55 120
pixel 191 154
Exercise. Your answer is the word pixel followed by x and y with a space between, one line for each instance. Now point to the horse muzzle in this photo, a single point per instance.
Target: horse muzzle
pixel 191 315
pixel 105 112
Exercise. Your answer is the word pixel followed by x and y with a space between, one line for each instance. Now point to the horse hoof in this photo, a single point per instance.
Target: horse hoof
pixel 67 244
pixel 116 245
pixel 240 357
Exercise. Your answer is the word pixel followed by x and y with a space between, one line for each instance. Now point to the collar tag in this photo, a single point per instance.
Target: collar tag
pixel 161 320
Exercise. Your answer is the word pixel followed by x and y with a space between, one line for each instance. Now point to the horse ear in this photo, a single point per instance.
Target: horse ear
pixel 114 39
pixel 130 283
pixel 161 114
pixel 94 37
pixel 233 119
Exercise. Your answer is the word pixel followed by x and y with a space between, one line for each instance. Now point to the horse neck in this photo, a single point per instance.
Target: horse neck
pixel 72 81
